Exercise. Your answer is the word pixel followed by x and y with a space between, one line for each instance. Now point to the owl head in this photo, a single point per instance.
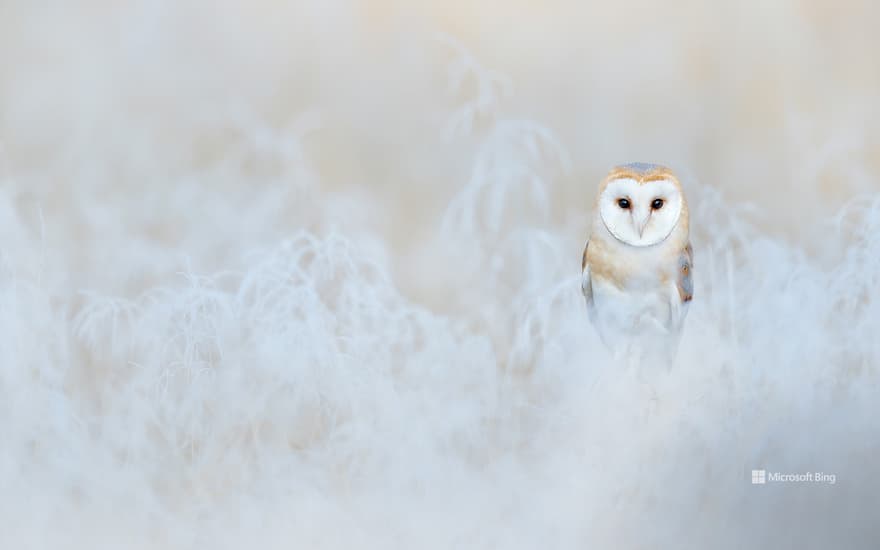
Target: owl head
pixel 641 204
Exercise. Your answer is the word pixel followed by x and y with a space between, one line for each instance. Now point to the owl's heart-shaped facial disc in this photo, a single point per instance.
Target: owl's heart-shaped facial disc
pixel 640 213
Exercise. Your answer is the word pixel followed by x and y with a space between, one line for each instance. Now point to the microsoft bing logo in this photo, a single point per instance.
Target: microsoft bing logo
pixel 761 477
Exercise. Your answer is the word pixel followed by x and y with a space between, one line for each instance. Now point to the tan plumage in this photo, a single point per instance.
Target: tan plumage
pixel 637 267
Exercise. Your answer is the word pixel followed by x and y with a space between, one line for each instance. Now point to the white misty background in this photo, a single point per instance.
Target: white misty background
pixel 306 275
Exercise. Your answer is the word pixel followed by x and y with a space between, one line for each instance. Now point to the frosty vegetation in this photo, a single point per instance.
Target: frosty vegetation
pixel 308 277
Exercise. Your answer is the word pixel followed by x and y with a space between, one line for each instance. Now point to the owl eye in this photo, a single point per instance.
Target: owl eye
pixel 657 204
pixel 623 203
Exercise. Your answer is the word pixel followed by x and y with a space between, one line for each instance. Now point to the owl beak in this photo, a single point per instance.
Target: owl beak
pixel 642 222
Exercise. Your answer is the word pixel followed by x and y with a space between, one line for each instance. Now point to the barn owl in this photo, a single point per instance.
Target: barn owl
pixel 637 265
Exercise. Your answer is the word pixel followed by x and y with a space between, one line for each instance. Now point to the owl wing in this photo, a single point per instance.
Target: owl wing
pixel 685 280
pixel 587 283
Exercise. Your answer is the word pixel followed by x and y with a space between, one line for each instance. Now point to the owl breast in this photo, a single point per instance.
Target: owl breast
pixel 640 313
pixel 633 308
